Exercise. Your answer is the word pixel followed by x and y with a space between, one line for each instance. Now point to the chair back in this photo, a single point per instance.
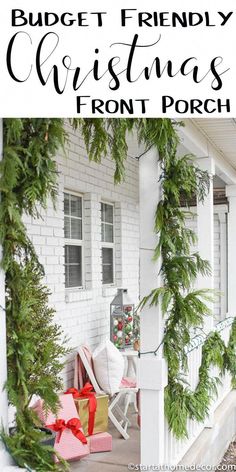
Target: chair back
pixel 86 358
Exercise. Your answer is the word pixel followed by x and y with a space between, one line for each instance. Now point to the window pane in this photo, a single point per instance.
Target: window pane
pixel 108 234
pixel 103 232
pixel 76 228
pixel 66 204
pixel 107 255
pixel 107 213
pixel 73 254
pixel 73 266
pixel 107 265
pixel 75 276
pixel 76 206
pixel 67 227
pixel 67 276
pixel 103 211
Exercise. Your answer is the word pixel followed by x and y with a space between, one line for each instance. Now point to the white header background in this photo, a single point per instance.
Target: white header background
pixel 32 99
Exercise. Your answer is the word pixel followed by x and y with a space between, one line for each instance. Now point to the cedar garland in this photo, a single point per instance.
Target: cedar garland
pixel 183 307
pixel 35 346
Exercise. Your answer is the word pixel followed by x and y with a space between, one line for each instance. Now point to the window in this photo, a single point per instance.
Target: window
pixel 107 218
pixel 73 240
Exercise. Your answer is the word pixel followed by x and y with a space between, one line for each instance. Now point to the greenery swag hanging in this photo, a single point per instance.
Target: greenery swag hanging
pixel 185 308
pixel 35 346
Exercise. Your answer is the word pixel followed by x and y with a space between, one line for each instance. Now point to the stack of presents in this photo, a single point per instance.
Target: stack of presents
pixel 80 424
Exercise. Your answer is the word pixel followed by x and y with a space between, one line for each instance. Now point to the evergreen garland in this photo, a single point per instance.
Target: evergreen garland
pixel 230 355
pixel 35 347
pixel 28 179
pixel 183 307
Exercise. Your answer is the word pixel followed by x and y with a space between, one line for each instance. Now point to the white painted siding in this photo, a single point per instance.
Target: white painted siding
pixel 220 263
pixel 84 313
pixel 217 271
pixel 220 259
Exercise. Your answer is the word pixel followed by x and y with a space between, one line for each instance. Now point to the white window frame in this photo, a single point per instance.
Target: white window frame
pixel 77 242
pixel 109 245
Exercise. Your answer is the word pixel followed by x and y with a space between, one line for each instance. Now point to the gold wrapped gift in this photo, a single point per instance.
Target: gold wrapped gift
pixel 101 415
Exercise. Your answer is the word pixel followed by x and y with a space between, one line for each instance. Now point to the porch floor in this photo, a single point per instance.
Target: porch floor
pixel 123 452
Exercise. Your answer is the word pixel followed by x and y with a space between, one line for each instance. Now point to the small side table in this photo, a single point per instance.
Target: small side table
pixel 131 359
pixel 130 356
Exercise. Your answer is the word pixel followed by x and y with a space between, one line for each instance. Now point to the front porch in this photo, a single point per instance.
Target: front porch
pixel 207 441
pixel 134 209
pixel 123 452
pixel 206 448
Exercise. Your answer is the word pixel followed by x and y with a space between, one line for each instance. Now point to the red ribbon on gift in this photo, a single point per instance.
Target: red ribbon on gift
pixel 74 424
pixel 86 392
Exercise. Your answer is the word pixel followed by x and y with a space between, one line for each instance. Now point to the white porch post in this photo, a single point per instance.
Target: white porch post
pixel 205 219
pixel 152 369
pixel 231 194
pixel 4 456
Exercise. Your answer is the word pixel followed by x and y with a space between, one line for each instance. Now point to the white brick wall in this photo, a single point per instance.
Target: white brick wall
pixel 84 313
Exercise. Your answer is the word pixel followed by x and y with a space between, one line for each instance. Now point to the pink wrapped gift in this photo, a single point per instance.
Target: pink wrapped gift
pixel 101 442
pixel 71 444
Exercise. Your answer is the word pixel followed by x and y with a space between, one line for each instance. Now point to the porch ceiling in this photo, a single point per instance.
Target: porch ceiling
pixel 222 135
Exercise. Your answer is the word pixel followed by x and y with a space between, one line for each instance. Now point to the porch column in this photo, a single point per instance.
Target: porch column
pixel 152 376
pixel 205 220
pixel 231 194
pixel 4 457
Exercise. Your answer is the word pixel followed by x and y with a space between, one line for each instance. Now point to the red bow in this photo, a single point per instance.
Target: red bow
pixel 73 424
pixel 86 392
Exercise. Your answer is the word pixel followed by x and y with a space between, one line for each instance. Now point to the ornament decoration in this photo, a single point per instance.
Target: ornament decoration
pixel 122 322
pixel 128 328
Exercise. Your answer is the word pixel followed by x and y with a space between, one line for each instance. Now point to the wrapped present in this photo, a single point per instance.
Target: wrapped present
pixel 101 442
pixel 71 443
pixel 92 409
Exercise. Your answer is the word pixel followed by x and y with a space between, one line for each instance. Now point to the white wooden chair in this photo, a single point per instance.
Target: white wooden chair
pixel 114 407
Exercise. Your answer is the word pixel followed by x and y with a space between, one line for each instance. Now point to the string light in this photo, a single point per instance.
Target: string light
pixel 151 352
